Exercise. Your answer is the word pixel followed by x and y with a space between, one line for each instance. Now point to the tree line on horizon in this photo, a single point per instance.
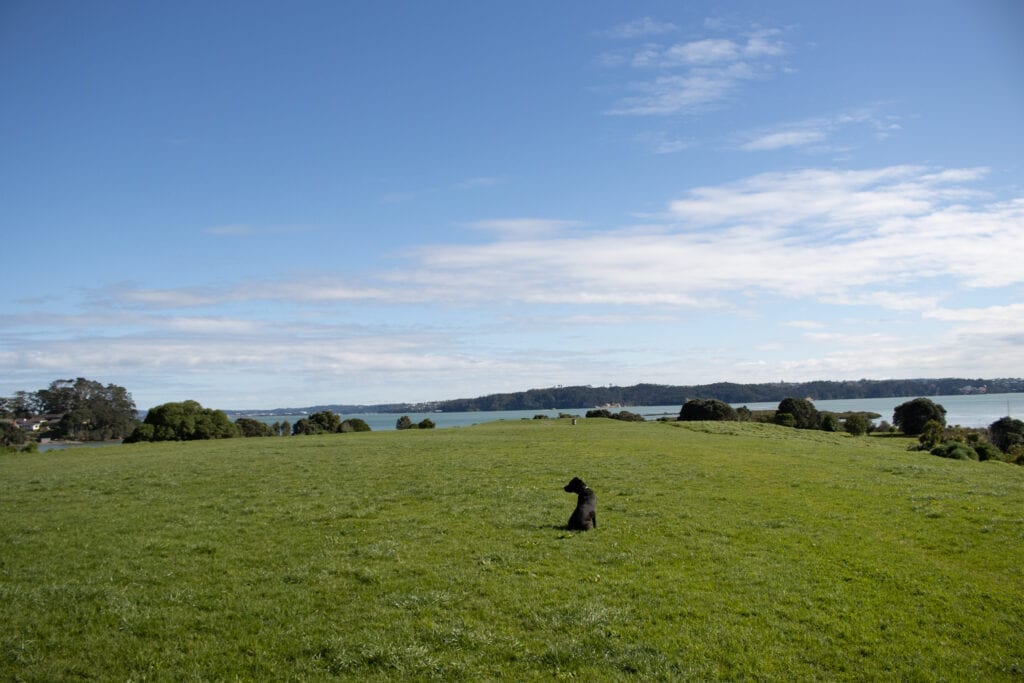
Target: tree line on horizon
pixel 588 396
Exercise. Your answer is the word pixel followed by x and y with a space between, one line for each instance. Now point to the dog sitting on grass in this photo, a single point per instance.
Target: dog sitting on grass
pixel 584 517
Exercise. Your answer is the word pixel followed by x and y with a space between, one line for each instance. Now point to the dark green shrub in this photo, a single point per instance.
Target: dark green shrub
pixel 185 421
pixel 355 424
pixel 857 425
pixel 987 451
pixel 249 427
pixel 912 416
pixel 699 409
pixel 955 451
pixel 803 411
pixel 829 423
pixel 1006 432
pixel 932 434
pixel 785 419
pixel 426 423
pixel 11 434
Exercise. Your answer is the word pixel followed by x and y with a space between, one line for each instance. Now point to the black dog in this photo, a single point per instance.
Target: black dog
pixel 584 517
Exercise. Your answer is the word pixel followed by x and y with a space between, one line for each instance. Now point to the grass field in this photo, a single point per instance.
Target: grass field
pixel 724 551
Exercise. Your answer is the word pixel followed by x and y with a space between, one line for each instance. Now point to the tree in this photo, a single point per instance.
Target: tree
pixel 11 434
pixel 426 423
pixel 699 409
pixel 303 426
pixel 856 424
pixel 185 421
pixel 829 423
pixel 328 422
pixel 354 424
pixel 404 423
pixel 249 427
pixel 932 434
pixel 1006 432
pixel 912 416
pixel 91 411
pixel 785 420
pixel 803 411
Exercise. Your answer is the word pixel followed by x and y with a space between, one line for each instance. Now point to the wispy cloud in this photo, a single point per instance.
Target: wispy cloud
pixel 694 75
pixel 820 133
pixel 789 138
pixel 861 237
pixel 519 228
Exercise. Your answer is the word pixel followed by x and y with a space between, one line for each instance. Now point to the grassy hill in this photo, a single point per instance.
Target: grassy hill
pixel 724 551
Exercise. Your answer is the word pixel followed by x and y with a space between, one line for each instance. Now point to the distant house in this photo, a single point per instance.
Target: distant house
pixel 31 424
pixel 37 423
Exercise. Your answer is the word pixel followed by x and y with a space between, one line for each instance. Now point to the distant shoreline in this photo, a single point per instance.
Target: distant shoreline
pixel 588 396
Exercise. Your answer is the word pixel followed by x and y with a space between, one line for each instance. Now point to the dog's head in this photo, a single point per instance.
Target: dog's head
pixel 575 486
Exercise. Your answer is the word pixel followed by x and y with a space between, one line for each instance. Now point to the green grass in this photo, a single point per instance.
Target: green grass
pixel 725 551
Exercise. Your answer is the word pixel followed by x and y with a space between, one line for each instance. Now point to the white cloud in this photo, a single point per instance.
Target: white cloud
pixel 792 138
pixel 899 239
pixel 820 133
pixel 805 324
pixel 706 51
pixel 696 74
pixel 869 237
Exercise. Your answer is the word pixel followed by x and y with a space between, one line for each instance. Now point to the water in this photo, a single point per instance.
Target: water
pixel 977 410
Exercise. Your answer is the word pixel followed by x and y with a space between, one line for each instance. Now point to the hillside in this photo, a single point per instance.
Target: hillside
pixel 724 551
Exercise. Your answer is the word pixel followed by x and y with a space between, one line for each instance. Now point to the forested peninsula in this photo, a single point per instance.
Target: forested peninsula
pixel 662 394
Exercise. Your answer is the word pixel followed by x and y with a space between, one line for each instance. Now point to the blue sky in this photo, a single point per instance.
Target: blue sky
pixel 267 204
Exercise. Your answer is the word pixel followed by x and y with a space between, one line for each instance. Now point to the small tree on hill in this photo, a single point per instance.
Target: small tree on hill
pixel 857 425
pixel 806 415
pixel 911 417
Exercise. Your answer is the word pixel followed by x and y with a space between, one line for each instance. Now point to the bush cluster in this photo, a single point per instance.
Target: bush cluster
pixel 328 422
pixel 1002 441
pixel 184 421
pixel 798 413
pixel 405 422
pixel 623 415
